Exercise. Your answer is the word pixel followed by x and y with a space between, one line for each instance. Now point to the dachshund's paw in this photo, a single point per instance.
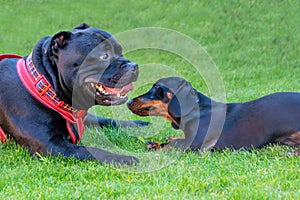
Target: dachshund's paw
pixel 153 146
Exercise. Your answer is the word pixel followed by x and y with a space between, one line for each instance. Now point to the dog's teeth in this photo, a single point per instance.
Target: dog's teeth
pixel 99 87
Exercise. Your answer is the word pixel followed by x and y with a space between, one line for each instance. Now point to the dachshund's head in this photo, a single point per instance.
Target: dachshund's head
pixel 171 98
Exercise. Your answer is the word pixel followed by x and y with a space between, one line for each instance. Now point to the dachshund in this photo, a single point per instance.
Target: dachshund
pixel 209 125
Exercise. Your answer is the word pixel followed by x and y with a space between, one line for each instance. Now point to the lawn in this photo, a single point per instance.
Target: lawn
pixel 246 49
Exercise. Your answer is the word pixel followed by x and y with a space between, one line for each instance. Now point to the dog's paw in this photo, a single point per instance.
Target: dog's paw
pixel 153 146
pixel 131 160
pixel 124 161
pixel 134 123
pixel 141 123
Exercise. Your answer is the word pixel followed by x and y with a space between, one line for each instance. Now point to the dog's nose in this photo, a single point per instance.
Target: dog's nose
pixel 133 66
pixel 129 103
pixel 130 67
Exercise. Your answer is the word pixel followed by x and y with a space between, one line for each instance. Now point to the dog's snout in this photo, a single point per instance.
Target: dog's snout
pixel 129 103
pixel 131 66
pixel 134 66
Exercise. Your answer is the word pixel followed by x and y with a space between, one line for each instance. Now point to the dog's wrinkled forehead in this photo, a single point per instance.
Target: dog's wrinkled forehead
pixel 99 58
pixel 97 38
pixel 87 29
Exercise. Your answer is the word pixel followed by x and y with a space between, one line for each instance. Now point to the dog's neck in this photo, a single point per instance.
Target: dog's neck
pixel 41 55
pixel 200 117
pixel 201 109
pixel 203 106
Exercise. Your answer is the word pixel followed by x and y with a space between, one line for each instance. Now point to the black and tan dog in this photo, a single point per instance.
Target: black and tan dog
pixel 44 96
pixel 208 124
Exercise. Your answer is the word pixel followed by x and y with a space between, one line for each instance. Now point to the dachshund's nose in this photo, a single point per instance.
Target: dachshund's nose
pixel 129 103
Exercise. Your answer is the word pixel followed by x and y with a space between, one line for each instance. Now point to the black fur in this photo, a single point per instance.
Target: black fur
pixel 274 118
pixel 70 61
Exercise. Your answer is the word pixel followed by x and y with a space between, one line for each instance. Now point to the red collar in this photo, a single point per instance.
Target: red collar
pixel 42 90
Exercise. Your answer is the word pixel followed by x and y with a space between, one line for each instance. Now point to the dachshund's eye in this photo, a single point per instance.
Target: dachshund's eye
pixel 158 91
pixel 156 87
pixel 104 56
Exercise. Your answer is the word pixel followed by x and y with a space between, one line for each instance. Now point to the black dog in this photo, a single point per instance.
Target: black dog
pixel 208 124
pixel 64 76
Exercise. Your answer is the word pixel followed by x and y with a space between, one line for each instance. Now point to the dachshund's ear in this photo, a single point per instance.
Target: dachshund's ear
pixel 183 101
pixel 174 108
pixel 82 26
pixel 60 40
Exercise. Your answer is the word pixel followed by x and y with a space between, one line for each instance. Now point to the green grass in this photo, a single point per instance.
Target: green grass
pixel 255 45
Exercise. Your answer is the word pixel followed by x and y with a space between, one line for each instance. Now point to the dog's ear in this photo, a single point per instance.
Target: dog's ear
pixel 82 26
pixel 60 40
pixel 183 101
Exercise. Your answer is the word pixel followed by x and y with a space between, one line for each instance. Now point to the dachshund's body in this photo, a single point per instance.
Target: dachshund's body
pixel 208 124
pixel 270 119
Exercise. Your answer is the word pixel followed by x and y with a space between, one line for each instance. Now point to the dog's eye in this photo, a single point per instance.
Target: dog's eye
pixel 156 87
pixel 104 56
pixel 158 91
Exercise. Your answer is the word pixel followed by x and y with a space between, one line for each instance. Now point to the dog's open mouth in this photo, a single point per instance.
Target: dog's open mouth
pixel 108 96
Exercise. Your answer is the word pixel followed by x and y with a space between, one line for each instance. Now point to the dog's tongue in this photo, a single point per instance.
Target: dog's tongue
pixel 122 91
